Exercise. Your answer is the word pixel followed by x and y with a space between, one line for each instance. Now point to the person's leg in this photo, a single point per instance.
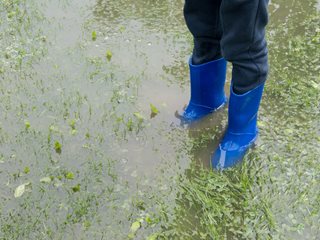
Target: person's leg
pixel 207 67
pixel 243 43
pixel 203 20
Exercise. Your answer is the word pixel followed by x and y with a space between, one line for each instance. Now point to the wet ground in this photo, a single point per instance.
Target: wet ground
pixel 91 145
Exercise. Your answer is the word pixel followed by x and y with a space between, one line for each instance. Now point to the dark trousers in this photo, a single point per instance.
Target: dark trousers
pixel 235 30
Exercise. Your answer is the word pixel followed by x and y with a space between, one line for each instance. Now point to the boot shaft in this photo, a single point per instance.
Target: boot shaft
pixel 207 83
pixel 243 111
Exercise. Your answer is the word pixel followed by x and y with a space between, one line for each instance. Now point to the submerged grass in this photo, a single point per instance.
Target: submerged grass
pixel 275 193
pixel 65 147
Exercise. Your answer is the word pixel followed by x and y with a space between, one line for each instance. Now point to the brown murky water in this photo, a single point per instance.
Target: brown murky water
pixel 70 90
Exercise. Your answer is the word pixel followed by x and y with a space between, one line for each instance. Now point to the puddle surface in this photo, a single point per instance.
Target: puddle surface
pixel 79 82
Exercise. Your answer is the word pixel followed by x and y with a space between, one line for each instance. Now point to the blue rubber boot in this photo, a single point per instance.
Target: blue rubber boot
pixel 242 128
pixel 207 89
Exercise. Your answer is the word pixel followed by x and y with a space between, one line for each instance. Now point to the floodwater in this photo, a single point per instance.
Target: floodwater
pixel 78 79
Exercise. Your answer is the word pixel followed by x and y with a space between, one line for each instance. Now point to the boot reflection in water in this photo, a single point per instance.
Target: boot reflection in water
pixel 233 31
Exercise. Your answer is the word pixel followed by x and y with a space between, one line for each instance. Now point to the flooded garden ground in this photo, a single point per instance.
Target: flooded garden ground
pixel 91 145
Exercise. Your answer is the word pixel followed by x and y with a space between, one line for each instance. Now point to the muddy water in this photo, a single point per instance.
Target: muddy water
pixel 90 72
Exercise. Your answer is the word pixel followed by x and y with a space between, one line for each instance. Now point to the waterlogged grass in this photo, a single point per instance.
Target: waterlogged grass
pixel 88 149
pixel 21 40
pixel 275 193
